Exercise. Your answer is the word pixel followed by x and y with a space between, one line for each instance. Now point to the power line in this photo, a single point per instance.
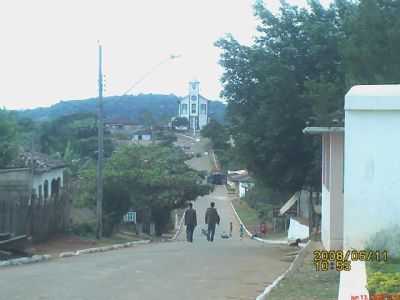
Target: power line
pixel 171 57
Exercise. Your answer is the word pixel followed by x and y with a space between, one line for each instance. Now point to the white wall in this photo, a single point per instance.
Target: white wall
pixel 372 166
pixel 325 218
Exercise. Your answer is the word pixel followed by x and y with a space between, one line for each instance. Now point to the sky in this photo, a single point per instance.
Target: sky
pixel 48 48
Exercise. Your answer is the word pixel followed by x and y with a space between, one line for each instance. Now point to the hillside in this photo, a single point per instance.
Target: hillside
pixel 128 108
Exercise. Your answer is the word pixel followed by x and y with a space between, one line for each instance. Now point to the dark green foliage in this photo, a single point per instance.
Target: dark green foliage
pixel 180 122
pixel 72 137
pixel 165 137
pixel 371 42
pixel 8 138
pixel 153 178
pixel 217 133
pixel 145 109
pixel 292 72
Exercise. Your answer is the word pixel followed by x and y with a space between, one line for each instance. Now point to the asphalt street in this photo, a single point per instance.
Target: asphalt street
pixel 225 269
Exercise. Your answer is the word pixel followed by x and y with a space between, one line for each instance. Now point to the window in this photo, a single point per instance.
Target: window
pixel 203 109
pixel 193 108
pixel 184 109
pixel 193 98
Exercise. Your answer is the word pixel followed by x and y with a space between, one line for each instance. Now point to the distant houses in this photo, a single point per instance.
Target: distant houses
pixel 240 181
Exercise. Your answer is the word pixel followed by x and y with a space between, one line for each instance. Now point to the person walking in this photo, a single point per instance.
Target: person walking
pixel 190 222
pixel 212 218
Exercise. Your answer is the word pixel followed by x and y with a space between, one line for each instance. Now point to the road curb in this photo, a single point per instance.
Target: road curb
pixel 103 249
pixel 25 260
pixel 46 257
pixel 272 242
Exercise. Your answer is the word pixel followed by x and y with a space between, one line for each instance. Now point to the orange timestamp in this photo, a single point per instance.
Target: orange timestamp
pixel 341 260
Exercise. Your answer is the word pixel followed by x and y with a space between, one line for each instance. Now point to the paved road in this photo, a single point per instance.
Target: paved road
pixel 225 269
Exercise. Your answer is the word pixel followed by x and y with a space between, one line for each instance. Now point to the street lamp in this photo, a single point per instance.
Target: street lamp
pixel 100 127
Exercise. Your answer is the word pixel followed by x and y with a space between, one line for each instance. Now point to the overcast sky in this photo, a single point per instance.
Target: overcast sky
pixel 48 48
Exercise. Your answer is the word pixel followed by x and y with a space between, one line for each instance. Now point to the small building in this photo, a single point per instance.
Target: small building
pixel 361 168
pixel 194 107
pixel 332 177
pixel 240 181
pixel 142 135
pixel 31 199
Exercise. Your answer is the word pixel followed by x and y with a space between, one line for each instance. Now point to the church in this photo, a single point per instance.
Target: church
pixel 194 107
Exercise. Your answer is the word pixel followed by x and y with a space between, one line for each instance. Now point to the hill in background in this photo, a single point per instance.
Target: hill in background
pixel 137 109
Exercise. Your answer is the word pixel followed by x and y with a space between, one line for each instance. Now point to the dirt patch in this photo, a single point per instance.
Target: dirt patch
pixel 62 243
pixel 66 243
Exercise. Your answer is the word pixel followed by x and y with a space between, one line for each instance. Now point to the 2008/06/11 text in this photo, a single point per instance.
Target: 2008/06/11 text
pixel 341 260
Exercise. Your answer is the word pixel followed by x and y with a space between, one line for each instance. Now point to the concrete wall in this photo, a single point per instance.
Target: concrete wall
pixel 336 190
pixel 332 190
pixel 372 169
pixel 38 218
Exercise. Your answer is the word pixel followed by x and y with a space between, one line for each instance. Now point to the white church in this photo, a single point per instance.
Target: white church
pixel 194 107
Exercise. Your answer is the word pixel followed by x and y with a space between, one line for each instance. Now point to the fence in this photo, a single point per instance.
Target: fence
pixel 40 219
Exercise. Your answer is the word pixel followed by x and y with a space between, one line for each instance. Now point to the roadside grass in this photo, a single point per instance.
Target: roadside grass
pixel 306 283
pixel 251 219
pixel 247 214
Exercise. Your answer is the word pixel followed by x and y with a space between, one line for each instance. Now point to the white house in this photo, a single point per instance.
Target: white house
pixel 194 107
pixel 332 184
pixel 372 165
pixel 361 168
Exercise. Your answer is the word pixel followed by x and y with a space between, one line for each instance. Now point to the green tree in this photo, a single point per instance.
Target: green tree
pixel 181 121
pixel 8 138
pixel 371 41
pixel 153 178
pixel 274 86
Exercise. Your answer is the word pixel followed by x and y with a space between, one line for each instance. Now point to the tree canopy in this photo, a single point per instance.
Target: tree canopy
pixel 152 177
pixel 298 69
pixel 8 138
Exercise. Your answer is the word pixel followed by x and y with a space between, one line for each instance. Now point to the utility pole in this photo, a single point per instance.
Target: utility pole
pixel 100 150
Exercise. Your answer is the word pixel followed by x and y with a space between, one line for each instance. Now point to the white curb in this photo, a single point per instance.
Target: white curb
pixel 25 260
pixel 275 242
pixel 107 248
pixel 269 288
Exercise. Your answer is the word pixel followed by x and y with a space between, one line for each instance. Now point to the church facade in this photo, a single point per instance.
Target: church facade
pixel 194 107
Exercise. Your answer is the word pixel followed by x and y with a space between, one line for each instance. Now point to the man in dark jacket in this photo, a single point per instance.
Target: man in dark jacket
pixel 212 218
pixel 190 222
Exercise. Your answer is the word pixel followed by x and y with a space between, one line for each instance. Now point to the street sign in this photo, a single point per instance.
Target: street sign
pixel 130 217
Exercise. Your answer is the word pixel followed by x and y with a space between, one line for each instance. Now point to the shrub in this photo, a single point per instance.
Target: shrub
pixel 386 239
pixel 379 282
pixel 83 229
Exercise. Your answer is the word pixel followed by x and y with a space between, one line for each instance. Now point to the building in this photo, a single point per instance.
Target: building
pixel 32 201
pixel 240 181
pixel 142 135
pixel 332 177
pixel 194 107
pixel 361 168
